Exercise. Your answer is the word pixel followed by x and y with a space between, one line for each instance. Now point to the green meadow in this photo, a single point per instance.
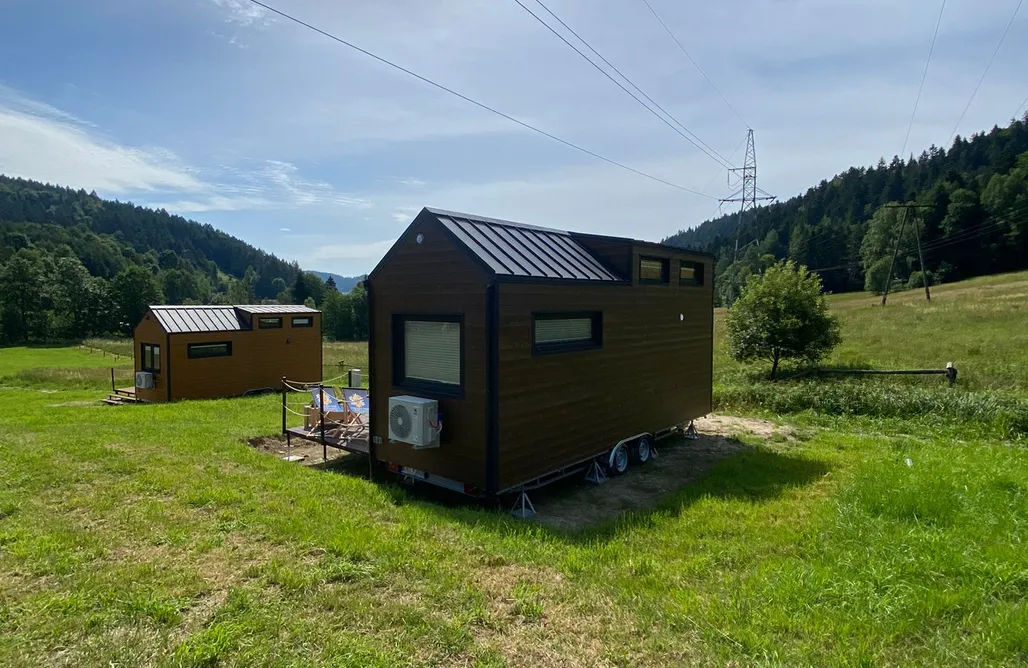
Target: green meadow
pixel 888 528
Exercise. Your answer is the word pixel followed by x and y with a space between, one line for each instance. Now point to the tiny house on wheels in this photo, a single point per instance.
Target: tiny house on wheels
pixel 203 352
pixel 504 355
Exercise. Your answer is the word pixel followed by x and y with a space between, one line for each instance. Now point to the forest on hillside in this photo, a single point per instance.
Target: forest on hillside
pixel 972 218
pixel 73 265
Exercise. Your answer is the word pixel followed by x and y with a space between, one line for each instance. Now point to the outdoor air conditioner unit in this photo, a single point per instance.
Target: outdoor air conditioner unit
pixel 144 380
pixel 414 420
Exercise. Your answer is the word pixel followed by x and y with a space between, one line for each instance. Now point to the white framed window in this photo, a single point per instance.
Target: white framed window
pixel 428 352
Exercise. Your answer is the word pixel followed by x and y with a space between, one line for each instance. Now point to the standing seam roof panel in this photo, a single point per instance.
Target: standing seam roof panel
pixel 530 252
pixel 560 252
pixel 574 256
pixel 483 248
pixel 510 249
pixel 527 267
pixel 586 259
pixel 543 251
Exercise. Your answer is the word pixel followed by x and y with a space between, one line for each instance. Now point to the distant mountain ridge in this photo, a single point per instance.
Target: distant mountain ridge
pixel 97 230
pixel 343 283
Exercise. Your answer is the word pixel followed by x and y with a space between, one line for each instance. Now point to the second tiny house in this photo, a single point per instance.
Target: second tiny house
pixel 543 348
pixel 204 352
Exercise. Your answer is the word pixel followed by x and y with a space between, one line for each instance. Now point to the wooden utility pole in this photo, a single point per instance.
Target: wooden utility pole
pixel 895 252
pixel 910 209
pixel 920 257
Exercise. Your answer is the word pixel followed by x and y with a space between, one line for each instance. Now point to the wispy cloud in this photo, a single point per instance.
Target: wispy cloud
pixel 366 253
pixel 244 13
pixel 285 229
pixel 44 143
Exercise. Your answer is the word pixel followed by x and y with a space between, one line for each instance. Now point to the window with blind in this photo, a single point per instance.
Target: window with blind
pixel 653 270
pixel 428 353
pixel 564 332
pixel 690 273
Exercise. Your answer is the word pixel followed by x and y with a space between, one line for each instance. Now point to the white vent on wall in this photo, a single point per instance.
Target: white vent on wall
pixel 144 380
pixel 415 421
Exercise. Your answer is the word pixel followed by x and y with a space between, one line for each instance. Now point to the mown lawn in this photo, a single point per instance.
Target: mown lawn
pixel 153 535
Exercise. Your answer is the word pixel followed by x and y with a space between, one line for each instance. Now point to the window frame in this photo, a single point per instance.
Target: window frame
pixel 154 348
pixel 665 270
pixel 308 318
pixel 191 355
pixel 427 388
pixel 555 347
pixel 261 320
pixel 699 271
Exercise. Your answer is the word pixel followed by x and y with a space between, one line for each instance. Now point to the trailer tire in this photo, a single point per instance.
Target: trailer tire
pixel 618 462
pixel 642 450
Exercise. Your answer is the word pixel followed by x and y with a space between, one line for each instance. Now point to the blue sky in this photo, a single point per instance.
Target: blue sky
pixel 220 111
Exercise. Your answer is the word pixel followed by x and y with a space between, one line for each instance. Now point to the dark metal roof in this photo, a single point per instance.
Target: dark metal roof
pixel 514 249
pixel 276 308
pixel 181 319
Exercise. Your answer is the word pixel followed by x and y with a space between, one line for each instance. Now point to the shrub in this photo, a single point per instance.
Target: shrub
pixel 781 314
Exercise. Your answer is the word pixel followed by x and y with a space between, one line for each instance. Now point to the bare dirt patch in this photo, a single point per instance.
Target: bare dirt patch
pixel 681 461
pixel 312 453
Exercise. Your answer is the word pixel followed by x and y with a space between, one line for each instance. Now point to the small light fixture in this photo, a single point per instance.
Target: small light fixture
pixel 681 317
pixel 420 238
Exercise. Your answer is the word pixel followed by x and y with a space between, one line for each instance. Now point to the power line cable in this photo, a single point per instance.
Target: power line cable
pixel 702 146
pixel 987 67
pixel 478 104
pixel 924 76
pixel 1020 106
pixel 990 225
pixel 693 61
pixel 718 172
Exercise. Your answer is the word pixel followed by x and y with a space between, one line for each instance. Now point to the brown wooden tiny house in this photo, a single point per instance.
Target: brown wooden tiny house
pixel 204 352
pixel 543 348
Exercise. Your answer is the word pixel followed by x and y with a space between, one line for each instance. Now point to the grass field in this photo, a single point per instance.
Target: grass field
pixel 153 535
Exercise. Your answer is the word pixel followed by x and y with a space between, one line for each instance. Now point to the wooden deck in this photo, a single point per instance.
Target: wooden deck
pixel 356 445
pixel 122 396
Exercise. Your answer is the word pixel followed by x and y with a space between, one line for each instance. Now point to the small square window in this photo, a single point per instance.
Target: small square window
pixel 653 270
pixel 304 321
pixel 690 273
pixel 270 323
pixel 428 352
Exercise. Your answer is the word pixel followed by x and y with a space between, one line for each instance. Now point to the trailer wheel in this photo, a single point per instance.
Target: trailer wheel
pixel 618 460
pixel 642 450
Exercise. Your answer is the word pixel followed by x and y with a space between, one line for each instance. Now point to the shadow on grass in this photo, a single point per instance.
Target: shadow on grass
pixel 575 511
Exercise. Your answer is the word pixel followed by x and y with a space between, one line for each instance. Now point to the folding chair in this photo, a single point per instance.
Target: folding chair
pixel 331 406
pixel 358 408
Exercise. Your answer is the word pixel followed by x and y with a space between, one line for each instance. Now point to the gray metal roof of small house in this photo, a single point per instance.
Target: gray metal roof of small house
pixel 287 309
pixel 196 319
pixel 514 249
pixel 181 319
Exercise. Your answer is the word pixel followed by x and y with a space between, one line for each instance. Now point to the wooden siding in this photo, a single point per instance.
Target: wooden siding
pixel 260 357
pixel 435 277
pixel 614 253
pixel 150 331
pixel 653 371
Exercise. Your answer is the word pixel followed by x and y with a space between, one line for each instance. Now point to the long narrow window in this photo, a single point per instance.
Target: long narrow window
pixel 653 270
pixel 690 273
pixel 428 352
pixel 564 332
pixel 151 354
pixel 304 321
pixel 270 323
pixel 202 350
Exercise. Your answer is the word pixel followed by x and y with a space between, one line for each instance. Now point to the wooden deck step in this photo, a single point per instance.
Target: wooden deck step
pixel 119 400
